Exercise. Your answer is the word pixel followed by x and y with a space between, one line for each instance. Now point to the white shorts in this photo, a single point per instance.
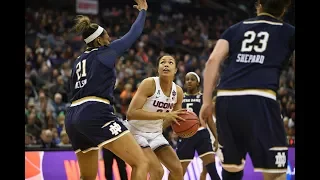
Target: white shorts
pixel 153 140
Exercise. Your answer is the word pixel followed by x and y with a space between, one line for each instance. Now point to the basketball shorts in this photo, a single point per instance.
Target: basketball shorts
pixel 154 140
pixel 91 125
pixel 200 142
pixel 251 124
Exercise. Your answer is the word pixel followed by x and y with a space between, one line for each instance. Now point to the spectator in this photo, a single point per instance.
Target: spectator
pixel 29 139
pixel 58 105
pixel 64 138
pixel 60 122
pixel 126 96
pixel 55 135
pixel 46 139
pixel 31 127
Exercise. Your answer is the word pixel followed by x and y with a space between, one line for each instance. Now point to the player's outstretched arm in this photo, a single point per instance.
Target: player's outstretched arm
pixel 124 43
pixel 177 106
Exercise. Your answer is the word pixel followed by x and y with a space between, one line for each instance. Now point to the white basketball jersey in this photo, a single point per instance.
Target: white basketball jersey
pixel 158 102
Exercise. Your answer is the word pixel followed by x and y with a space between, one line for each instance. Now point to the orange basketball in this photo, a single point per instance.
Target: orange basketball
pixel 187 128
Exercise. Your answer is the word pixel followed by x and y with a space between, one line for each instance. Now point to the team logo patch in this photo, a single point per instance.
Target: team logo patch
pixel 174 93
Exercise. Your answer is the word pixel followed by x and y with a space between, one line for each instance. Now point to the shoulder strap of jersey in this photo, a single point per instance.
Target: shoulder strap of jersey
pixel 174 87
pixel 157 82
pixel 174 93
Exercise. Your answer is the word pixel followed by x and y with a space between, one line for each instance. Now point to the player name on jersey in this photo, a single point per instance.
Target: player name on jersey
pixel 80 84
pixel 191 100
pixel 249 58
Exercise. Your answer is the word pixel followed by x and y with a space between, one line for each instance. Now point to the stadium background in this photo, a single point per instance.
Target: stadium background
pixel 187 29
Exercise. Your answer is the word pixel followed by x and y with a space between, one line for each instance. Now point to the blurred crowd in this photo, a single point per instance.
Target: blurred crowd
pixel 50 51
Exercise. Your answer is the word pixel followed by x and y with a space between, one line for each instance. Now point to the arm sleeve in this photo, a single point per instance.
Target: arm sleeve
pixel 124 43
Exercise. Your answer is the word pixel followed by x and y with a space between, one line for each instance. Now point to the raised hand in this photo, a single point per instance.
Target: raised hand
pixel 141 4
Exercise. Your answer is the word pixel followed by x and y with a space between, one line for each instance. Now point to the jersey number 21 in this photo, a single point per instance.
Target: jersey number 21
pixel 81 69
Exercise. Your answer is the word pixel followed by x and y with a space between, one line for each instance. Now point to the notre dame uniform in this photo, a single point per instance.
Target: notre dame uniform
pixel 90 120
pixel 199 142
pixel 247 113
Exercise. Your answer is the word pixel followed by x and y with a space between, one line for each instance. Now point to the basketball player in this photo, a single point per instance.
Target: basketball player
pixel 248 115
pixel 157 100
pixel 201 141
pixel 90 121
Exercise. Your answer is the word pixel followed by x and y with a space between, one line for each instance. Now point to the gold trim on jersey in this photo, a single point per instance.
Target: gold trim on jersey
pixel 263 21
pixel 186 160
pixel 266 14
pixel 187 94
pixel 103 143
pixel 207 153
pixel 264 170
pixel 258 92
pixel 89 98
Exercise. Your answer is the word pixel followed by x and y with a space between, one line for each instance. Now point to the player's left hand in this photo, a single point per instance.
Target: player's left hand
pixel 205 112
pixel 142 4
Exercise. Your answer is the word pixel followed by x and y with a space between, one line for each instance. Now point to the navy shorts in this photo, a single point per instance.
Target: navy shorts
pixel 252 124
pixel 200 142
pixel 92 125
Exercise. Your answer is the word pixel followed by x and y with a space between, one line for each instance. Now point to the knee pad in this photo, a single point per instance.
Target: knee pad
pixel 226 175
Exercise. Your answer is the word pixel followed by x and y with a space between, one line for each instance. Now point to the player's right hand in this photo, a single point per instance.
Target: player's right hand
pixel 174 116
pixel 205 112
pixel 142 4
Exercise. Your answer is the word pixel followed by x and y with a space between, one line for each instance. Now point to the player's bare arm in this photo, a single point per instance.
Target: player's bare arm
pixel 177 106
pixel 211 73
pixel 135 111
pixel 145 90
pixel 126 41
pixel 213 128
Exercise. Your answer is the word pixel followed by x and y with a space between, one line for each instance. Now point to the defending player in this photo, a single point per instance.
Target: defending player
pixel 90 121
pixel 158 99
pixel 248 115
pixel 201 141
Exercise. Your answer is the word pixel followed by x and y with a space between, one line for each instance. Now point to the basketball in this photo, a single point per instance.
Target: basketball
pixel 187 128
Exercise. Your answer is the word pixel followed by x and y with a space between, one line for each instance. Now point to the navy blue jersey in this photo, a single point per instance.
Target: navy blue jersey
pixel 94 72
pixel 192 102
pixel 90 77
pixel 258 49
